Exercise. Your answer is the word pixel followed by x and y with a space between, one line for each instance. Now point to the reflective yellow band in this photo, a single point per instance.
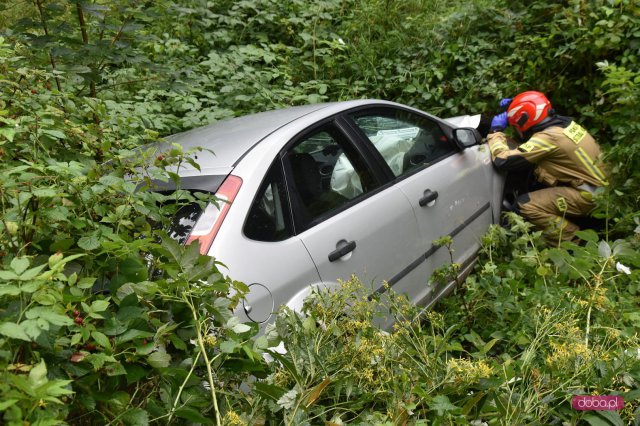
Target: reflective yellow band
pixel 575 132
pixel 538 144
pixel 562 204
pixel 588 163
pixel 542 144
pixel 527 147
pixel 497 147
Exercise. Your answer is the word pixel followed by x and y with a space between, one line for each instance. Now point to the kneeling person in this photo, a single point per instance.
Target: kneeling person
pixel 566 160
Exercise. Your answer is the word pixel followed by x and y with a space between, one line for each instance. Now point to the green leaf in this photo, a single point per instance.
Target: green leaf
pixel 486 348
pixel 159 359
pixel 141 289
pixel 241 328
pixel 135 417
pixel 441 404
pixel 8 133
pixel 604 249
pixel 57 134
pixel 98 360
pixel 100 305
pixel 101 339
pixel 34 327
pixel 89 243
pixel 54 388
pixel 38 374
pixel 9 290
pixel 288 365
pixel 172 248
pixel 177 342
pixel 47 314
pixel 268 391
pixel 30 274
pixel 228 346
pixel 86 283
pixel 594 420
pixel 136 372
pixel 612 416
pixel 192 415
pixel 14 331
pixel 588 235
pixel 8 275
pixel 6 404
pixel 19 264
pixel 45 192
pixel 133 334
pixel 115 369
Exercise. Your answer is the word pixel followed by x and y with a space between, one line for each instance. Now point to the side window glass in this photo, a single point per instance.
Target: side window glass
pixel 269 218
pixel 405 140
pixel 326 173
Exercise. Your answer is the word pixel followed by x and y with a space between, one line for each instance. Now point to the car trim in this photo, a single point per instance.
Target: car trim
pixel 434 248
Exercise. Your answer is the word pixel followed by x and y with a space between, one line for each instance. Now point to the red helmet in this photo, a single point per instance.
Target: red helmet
pixel 528 109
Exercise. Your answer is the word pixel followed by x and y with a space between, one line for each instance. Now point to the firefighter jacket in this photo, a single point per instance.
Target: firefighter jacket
pixel 562 155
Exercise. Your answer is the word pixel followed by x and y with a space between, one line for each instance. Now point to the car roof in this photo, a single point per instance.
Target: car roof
pixel 227 141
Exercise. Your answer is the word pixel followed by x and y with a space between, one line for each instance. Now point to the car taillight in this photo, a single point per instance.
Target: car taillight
pixel 212 217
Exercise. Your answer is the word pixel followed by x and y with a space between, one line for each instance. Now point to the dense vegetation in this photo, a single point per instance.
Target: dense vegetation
pixel 105 320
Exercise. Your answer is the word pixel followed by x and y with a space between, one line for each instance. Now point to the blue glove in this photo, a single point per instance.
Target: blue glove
pixel 504 103
pixel 499 122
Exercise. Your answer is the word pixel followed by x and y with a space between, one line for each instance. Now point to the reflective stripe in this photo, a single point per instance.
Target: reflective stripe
pixel 496 146
pixel 535 143
pixel 588 163
pixel 542 144
pixel 526 147
pixel 561 203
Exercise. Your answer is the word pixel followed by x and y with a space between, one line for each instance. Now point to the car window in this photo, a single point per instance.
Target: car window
pixel 326 172
pixel 405 140
pixel 183 209
pixel 269 218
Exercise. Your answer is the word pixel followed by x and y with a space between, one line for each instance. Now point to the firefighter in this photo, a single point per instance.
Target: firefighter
pixel 565 157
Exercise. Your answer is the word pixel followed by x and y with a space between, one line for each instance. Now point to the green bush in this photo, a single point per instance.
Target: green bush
pixel 103 317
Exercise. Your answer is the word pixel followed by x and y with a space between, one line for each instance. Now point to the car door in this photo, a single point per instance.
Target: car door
pixel 448 189
pixel 349 221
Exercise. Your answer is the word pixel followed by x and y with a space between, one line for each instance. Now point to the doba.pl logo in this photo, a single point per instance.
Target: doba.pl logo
pixel 597 402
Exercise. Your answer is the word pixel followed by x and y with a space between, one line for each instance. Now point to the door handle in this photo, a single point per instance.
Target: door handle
pixel 341 251
pixel 428 197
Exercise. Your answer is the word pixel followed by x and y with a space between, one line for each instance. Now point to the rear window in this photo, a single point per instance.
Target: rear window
pixel 187 215
pixel 185 206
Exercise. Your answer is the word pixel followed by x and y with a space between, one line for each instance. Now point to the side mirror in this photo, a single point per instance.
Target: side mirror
pixel 466 137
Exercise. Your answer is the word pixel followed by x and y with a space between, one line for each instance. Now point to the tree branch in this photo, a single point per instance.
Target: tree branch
pixel 38 4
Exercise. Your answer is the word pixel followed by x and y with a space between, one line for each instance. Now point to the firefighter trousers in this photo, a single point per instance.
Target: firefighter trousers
pixel 551 210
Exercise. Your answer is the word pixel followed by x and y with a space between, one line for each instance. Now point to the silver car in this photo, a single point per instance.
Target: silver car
pixel 317 193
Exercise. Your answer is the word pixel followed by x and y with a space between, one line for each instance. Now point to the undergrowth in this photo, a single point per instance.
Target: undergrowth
pixel 540 327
